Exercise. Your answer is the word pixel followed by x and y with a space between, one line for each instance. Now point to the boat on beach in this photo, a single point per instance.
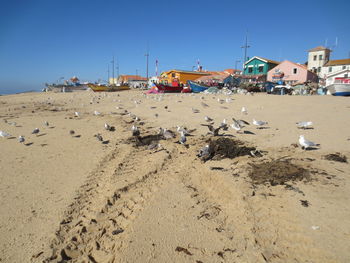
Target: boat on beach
pixel 339 89
pixel 196 88
pixel 107 88
pixel 168 89
pixel 71 85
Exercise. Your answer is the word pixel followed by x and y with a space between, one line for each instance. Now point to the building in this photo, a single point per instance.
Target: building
pixel 218 78
pixel 180 77
pixel 317 58
pixel 291 73
pixel 233 71
pixel 334 67
pixel 256 68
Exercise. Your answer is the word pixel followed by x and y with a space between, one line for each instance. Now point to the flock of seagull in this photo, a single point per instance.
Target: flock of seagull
pixel 237 125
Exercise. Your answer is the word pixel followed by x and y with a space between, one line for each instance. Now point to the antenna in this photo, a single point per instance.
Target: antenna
pixel 326 43
pixel 113 70
pixel 147 55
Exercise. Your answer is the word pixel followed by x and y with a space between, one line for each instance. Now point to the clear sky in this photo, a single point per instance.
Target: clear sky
pixel 41 41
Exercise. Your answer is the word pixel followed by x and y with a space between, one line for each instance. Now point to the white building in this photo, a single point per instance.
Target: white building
pixel 317 58
pixel 334 67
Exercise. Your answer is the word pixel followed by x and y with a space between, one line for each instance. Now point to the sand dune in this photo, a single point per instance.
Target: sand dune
pixel 72 198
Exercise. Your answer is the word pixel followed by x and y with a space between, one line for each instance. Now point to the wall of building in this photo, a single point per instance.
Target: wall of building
pixel 316 65
pixel 254 66
pixel 183 77
pixel 334 69
pixel 290 77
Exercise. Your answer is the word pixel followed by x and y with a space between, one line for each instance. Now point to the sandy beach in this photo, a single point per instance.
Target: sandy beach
pixel 68 197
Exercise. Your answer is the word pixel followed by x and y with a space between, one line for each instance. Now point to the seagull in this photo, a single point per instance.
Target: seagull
pixel 76 114
pixel 223 125
pixel 304 143
pixel 244 111
pixel 228 100
pixel 195 110
pixel 99 137
pixel 135 131
pixel 240 122
pixel 4 134
pixel 71 132
pixel 204 105
pixel 167 134
pixel 97 113
pixel 212 130
pixel 21 139
pixel 182 138
pixel 208 119
pixel 236 126
pixel 204 153
pixel 107 127
pixel 304 124
pixel 35 131
pixel 220 101
pixel 259 123
pixel 46 123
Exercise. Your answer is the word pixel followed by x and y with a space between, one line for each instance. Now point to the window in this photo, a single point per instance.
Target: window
pixel 345 75
pixel 313 69
pixel 295 70
pixel 315 57
pixel 250 69
pixel 330 69
pixel 173 75
pixel 319 69
pixel 261 69
pixel 344 67
pixel 320 57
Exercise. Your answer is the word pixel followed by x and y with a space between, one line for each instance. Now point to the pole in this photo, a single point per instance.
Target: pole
pixel 245 50
pixel 147 55
pixel 108 74
pixel 117 70
pixel 236 63
pixel 113 69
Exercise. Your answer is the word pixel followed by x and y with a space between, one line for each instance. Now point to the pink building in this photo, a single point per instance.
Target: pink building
pixel 291 73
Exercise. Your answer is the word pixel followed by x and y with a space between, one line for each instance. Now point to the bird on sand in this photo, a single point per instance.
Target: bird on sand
pixel 212 130
pixel 76 114
pixel 305 144
pixel 182 138
pixel 21 138
pixel 135 131
pixel 46 123
pixel 167 134
pixel 259 123
pixel 72 132
pixel 99 137
pixel 4 134
pixel 208 119
pixel 36 131
pixel 97 113
pixel 304 124
pixel 244 111
pixel 236 126
pixel 195 110
pixel 107 127
pixel 204 153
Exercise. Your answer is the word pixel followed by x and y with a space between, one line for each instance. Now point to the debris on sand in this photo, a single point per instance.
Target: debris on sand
pixel 337 157
pixel 184 250
pixel 226 148
pixel 146 140
pixel 277 172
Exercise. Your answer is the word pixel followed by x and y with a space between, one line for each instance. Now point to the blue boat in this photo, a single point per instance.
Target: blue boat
pixel 195 87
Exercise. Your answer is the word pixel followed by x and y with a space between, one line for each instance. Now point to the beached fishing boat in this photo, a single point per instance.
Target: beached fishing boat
pixel 107 88
pixel 73 84
pixel 339 89
pixel 168 89
pixel 195 87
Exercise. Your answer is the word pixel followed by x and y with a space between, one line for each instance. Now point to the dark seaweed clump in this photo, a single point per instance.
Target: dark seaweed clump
pixel 277 172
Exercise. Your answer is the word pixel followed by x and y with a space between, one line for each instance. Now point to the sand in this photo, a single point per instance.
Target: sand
pixel 72 198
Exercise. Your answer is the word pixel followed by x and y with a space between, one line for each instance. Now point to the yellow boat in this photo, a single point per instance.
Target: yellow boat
pixel 106 88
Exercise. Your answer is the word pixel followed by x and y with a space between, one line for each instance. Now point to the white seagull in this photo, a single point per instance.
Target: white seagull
pixel 21 139
pixel 183 137
pixel 244 111
pixel 305 144
pixel 259 123
pixel 304 124
pixel 76 114
pixel 4 134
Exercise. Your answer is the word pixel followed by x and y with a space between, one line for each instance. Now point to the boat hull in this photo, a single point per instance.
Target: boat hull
pixel 65 88
pixel 196 88
pixel 168 89
pixel 339 89
pixel 105 88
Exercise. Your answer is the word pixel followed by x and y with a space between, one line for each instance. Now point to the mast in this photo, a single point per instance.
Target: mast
pixel 108 74
pixel 113 69
pixel 245 50
pixel 147 55
pixel 117 70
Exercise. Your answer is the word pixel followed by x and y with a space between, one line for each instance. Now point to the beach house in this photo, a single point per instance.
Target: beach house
pixel 256 68
pixel 317 58
pixel 176 77
pixel 291 73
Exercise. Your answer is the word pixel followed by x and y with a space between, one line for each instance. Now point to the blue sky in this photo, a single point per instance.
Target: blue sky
pixel 41 41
